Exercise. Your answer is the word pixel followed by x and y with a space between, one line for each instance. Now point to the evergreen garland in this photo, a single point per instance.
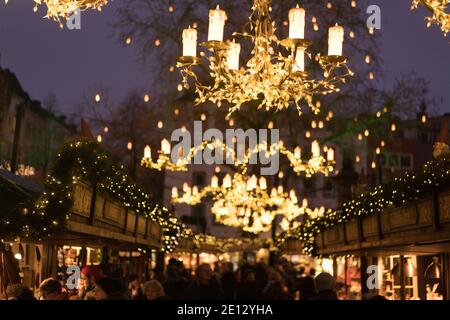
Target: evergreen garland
pixel 410 187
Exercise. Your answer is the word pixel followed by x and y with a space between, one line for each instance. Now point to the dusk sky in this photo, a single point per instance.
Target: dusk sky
pixel 70 62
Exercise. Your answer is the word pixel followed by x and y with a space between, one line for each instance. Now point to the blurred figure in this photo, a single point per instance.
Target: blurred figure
pixel 204 286
pixel 306 285
pixel 89 276
pixel 19 292
pixel 249 288
pixel 275 288
pixel 228 280
pixel 134 288
pixel 326 287
pixel 153 290
pixel 109 289
pixel 51 289
pixel 175 285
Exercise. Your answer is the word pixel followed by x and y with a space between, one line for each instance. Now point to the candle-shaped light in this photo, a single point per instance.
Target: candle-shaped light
pixel 233 55
pixel 299 60
pixel 335 40
pixel 252 183
pixel 297 23
pixel 217 20
pixel 190 42
pixel 195 190
pixel 174 192
pixel 263 183
pixel 215 182
pixel 147 152
pixel 227 181
pixel 315 149
pixel 293 196
pixel 273 192
pixel 165 146
pixel 280 189
pixel 330 154
pixel 297 152
pixel 305 203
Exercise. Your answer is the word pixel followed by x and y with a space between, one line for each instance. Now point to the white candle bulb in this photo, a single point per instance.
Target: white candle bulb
pixel 262 183
pixel 280 189
pixel 227 181
pixel 214 182
pixel 297 23
pixel 293 196
pixel 174 192
pixel 315 149
pixel 335 40
pixel 273 193
pixel 147 152
pixel 217 20
pixel 185 187
pixel 195 190
pixel 165 146
pixel 330 154
pixel 299 60
pixel 190 42
pixel 297 152
pixel 233 55
pixel 305 203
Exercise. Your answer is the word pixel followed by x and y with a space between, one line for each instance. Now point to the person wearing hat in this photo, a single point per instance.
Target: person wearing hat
pixel 89 276
pixel 325 287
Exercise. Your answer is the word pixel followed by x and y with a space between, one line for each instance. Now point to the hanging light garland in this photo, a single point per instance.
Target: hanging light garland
pixel 63 9
pixel 439 9
pixel 316 164
pixel 279 80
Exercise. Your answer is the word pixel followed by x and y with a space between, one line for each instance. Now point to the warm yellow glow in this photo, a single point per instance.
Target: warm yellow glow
pixel 99 138
pixel 97 97
pixel 129 145
pixel 280 80
pixel 165 146
pixel 63 9
pixel 146 98
pixel 160 124
pixel 147 152
pixel 440 13
pixel 358 158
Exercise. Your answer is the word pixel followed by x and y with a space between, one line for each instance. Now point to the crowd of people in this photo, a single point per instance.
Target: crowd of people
pixel 249 282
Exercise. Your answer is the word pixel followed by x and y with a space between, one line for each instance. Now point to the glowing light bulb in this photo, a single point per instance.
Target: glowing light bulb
pixel 147 152
pixel 160 124
pixel 146 98
pixel 99 138
pixel 97 97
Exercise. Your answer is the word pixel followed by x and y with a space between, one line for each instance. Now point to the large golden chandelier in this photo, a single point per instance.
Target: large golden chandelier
pixel 275 73
pixel 441 15
pixel 63 9
pixel 245 202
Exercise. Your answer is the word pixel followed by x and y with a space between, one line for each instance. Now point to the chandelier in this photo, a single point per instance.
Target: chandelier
pixel 275 73
pixel 245 202
pixel 316 164
pixel 57 9
pixel 438 8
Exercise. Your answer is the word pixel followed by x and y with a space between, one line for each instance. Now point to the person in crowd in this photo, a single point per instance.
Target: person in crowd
pixel 175 285
pixel 275 288
pixel 88 278
pixel 325 286
pixel 249 288
pixel 134 287
pixel 261 273
pixel 19 292
pixel 228 280
pixel 205 286
pixel 153 290
pixel 289 276
pixel 182 270
pixel 51 289
pixel 108 288
pixel 306 285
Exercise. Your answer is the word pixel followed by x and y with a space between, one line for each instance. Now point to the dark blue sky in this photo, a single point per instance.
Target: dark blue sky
pixel 68 63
